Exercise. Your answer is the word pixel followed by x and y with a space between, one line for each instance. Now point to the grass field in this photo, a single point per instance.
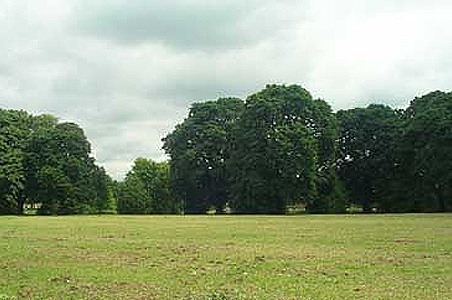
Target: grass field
pixel 227 257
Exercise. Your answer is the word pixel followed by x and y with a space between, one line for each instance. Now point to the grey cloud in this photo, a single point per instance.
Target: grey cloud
pixel 186 25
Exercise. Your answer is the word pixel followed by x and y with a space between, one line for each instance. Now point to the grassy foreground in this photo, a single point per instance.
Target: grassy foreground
pixel 227 257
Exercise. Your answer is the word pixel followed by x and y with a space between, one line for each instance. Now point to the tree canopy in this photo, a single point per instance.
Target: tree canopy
pixel 199 149
pixel 366 161
pixel 277 149
pixel 425 151
pixel 47 163
pixel 283 149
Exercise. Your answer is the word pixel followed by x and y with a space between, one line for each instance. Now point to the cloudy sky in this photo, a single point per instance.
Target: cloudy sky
pixel 127 71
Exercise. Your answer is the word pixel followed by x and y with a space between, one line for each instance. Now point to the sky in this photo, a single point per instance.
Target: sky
pixel 127 71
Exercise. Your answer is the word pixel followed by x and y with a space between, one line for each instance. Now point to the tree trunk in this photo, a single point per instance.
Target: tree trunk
pixel 20 205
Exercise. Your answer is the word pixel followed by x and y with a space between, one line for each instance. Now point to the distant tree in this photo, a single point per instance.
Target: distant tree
pixel 199 149
pixel 425 151
pixel 145 189
pixel 133 198
pixel 366 162
pixel 283 152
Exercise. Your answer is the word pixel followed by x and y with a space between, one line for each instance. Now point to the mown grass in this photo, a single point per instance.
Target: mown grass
pixel 227 257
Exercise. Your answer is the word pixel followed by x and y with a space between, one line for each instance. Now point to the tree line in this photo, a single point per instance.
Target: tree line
pixel 47 164
pixel 280 150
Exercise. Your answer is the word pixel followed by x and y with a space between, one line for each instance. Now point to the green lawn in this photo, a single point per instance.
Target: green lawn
pixel 227 257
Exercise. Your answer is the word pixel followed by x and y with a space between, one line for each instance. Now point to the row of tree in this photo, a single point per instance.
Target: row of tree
pixel 47 165
pixel 282 148
pixel 398 160
pixel 277 150
pixel 259 156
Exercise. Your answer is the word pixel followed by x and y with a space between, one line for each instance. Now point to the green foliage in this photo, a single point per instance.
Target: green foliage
pixel 278 149
pixel 199 149
pixel 366 161
pixel 425 152
pixel 145 189
pixel 104 188
pixel 11 178
pixel 48 163
pixel 283 148
pixel 60 173
pixel 14 131
pixel 55 192
pixel 399 160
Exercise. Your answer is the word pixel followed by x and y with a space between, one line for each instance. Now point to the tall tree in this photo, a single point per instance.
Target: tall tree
pixel 366 162
pixel 283 148
pixel 199 149
pixel 426 154
pixel 47 162
pixel 61 152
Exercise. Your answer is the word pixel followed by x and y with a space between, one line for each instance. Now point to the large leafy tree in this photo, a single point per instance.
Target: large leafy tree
pixel 425 151
pixel 199 149
pixel 47 162
pixel 366 162
pixel 145 189
pixel 283 152
pixel 60 173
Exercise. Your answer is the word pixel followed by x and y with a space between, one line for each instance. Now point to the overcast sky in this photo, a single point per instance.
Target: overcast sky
pixel 127 71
